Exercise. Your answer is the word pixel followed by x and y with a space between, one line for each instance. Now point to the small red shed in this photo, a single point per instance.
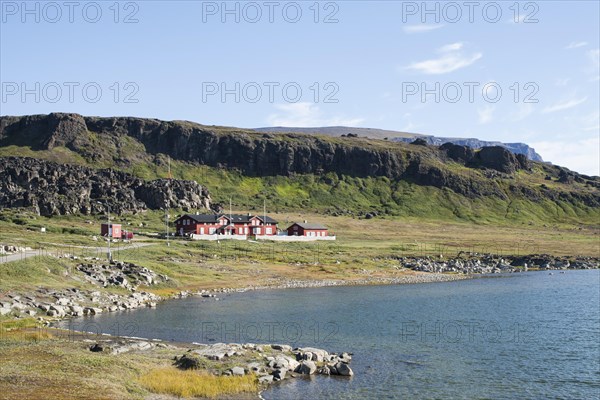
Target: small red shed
pixel 306 229
pixel 112 230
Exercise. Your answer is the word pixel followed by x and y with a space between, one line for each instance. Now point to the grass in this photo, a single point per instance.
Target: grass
pixel 372 245
pixel 37 363
pixel 336 193
pixel 188 384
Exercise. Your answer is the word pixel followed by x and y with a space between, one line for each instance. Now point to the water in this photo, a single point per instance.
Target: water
pixel 530 335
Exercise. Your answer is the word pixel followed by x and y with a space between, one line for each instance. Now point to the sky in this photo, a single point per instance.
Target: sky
pixel 506 70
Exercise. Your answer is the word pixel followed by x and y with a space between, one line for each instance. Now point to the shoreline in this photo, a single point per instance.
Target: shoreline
pixel 265 364
pixel 53 305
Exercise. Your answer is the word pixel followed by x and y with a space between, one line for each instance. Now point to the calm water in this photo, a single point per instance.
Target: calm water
pixel 527 336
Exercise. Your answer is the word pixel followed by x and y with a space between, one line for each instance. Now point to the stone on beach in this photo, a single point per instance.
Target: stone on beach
pixel 306 368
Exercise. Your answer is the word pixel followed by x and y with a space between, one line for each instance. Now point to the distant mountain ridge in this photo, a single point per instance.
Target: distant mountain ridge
pixel 397 136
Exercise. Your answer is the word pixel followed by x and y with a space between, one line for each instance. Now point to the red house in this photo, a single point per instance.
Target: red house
pixel 224 224
pixel 112 230
pixel 127 235
pixel 306 229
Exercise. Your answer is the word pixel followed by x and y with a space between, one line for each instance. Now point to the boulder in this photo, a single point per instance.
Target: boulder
pixel 281 347
pixel 96 348
pixel 91 311
pixel 265 380
pixel 343 369
pixel 188 361
pixel 279 374
pixel 238 371
pixel 284 362
pixel 306 368
pixel 314 354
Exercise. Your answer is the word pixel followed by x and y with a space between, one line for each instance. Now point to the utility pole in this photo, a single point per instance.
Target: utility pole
pixel 167 224
pixel 168 200
pixel 109 229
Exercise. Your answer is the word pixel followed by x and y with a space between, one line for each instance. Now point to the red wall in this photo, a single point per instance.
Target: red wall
pixel 116 230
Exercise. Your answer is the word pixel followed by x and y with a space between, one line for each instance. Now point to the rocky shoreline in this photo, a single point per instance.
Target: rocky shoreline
pixel 489 264
pixel 270 363
pixel 53 305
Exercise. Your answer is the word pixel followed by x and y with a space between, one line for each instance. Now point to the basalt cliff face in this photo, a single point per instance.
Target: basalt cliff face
pixel 516 148
pixel 253 154
pixel 124 141
pixel 57 189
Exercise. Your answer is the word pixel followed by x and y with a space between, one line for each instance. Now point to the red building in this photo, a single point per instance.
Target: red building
pixel 127 235
pixel 112 230
pixel 224 224
pixel 306 229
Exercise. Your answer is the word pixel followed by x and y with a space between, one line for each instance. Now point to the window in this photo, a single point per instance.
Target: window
pixel 269 231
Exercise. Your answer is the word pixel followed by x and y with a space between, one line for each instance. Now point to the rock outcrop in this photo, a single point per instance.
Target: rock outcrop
pixel 123 141
pixel 60 189
pixel 122 274
pixel 271 363
pixel 494 157
pixel 337 131
pixel 490 264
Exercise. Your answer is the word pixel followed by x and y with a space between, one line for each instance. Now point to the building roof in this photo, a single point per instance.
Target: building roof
pixel 266 219
pixel 239 218
pixel 235 218
pixel 306 225
pixel 202 217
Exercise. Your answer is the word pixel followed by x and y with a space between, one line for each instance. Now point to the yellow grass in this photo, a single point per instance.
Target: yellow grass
pixel 36 335
pixel 197 384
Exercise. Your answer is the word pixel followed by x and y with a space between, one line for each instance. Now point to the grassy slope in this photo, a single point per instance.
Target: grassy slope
pixel 333 193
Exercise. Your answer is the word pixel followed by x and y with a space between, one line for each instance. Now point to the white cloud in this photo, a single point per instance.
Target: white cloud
pixel 574 45
pixel 444 64
pixel 306 115
pixel 451 47
pixel 578 155
pixel 565 105
pixel 486 114
pixel 451 59
pixel 420 28
pixel 562 81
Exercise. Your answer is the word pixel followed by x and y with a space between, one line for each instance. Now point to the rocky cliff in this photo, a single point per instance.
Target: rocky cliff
pixel 124 141
pixel 516 148
pixel 57 189
pixel 252 153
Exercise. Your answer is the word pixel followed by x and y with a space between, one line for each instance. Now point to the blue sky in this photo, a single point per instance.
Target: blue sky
pixel 509 71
